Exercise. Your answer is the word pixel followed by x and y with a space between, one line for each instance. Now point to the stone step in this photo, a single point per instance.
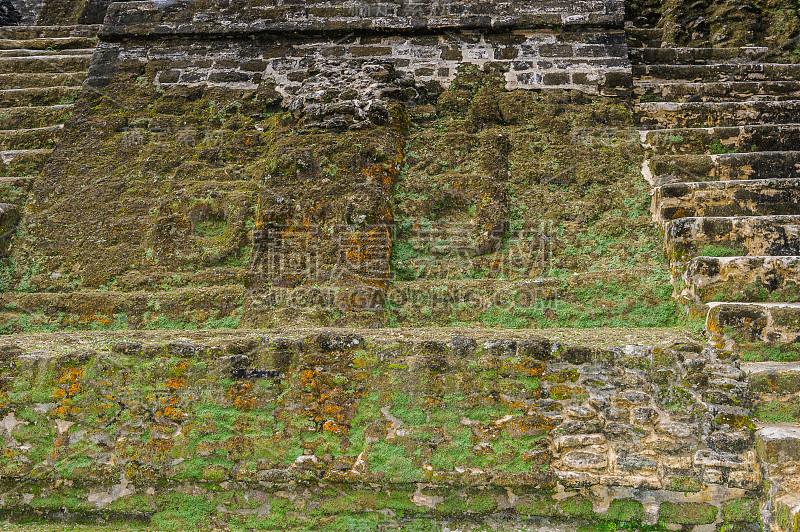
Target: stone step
pixel 718 72
pixel 23 162
pixel 697 56
pixel 778 442
pixel 20 33
pixel 665 169
pixel 33 117
pixel 757 197
pixel 686 238
pixel 654 115
pixel 44 96
pixel 720 140
pixel 30 139
pixel 57 43
pixel 776 386
pixel 778 447
pixel 717 91
pixel 760 322
pixel 21 80
pixel 25 52
pixel 193 306
pixel 787 512
pixel 45 63
pixel 641 37
pixel 741 279
pixel 773 378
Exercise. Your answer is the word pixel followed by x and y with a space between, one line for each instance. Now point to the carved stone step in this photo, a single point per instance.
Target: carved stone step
pixel 21 80
pixel 38 96
pixel 44 63
pixel 716 114
pixel 33 117
pixel 696 56
pixel 24 52
pixel 787 512
pixel 56 43
pixel 781 378
pixel 766 322
pixel 191 304
pixel 717 91
pixel 720 72
pixel 640 37
pixel 719 140
pixel 686 238
pixel 23 162
pixel 741 279
pixel 47 32
pixel 30 139
pixel 778 446
pixel 758 197
pixel 665 169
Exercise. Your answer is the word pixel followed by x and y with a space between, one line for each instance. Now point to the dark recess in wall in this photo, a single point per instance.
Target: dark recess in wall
pixel 9 16
pixel 65 12
pixel 94 12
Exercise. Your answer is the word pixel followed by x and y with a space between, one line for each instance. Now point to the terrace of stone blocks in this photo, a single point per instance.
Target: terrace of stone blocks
pixel 322 265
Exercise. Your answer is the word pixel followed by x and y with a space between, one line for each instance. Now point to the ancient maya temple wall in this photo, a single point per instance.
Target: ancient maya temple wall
pixel 182 126
pixel 248 428
pixel 345 74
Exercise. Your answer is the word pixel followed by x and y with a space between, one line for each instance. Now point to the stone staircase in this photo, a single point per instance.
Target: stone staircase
pixel 41 72
pixel 722 128
pixel 722 132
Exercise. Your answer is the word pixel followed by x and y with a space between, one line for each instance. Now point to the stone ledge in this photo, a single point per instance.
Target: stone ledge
pixel 216 17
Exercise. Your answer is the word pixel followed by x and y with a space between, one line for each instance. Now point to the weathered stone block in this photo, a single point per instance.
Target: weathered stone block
pixel 688 513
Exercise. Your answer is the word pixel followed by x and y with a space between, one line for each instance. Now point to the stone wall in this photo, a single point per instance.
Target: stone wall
pixel 314 431
pixel 589 53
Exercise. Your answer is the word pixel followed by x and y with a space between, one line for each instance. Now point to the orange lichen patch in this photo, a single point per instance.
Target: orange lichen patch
pixel 173 414
pixel 682 213
pixel 385 173
pixel 528 368
pixel 239 395
pixel 435 402
pixel 70 377
pixel 515 405
pixel 69 387
pixel 180 368
pixel 141 472
pixel 559 392
pixel 238 443
pixel 335 428
pixel 528 426
pixel 176 383
pixel 155 451
pixel 331 409
pixel 310 379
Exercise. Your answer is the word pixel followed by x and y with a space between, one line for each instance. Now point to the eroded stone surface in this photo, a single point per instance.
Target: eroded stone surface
pixel 586 432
